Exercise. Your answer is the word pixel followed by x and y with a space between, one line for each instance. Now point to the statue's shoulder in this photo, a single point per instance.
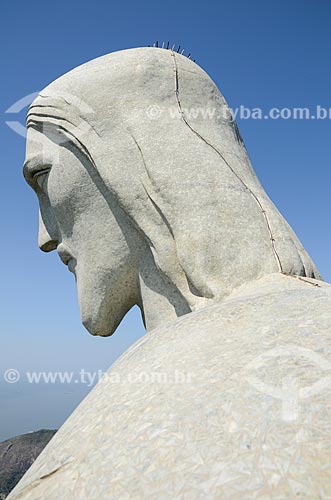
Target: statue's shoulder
pixel 275 302
pixel 207 391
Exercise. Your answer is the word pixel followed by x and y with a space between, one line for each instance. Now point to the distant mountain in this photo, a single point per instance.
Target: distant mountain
pixel 17 455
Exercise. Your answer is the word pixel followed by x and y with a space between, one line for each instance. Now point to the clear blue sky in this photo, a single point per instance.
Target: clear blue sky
pixel 261 53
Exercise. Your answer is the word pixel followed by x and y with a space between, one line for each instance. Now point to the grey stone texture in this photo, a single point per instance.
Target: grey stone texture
pixel 149 202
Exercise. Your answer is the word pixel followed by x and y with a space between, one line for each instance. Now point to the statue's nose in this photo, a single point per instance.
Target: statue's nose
pixel 45 241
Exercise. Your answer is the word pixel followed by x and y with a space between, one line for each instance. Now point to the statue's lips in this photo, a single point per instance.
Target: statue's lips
pixel 66 257
pixel 72 265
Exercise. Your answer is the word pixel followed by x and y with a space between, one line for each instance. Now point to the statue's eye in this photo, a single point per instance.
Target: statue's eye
pixel 41 176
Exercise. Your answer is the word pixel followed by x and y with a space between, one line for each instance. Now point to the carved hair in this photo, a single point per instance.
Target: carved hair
pixel 183 178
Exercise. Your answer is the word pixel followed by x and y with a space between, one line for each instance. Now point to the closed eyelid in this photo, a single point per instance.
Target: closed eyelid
pixel 42 171
pixel 33 169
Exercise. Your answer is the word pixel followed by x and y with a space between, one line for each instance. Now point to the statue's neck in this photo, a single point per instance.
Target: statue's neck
pixel 161 302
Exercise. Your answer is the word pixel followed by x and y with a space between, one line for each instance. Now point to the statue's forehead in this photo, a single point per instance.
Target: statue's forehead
pixel 35 140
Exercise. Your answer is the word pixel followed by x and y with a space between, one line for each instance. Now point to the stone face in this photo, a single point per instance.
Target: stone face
pixel 151 201
pixel 170 198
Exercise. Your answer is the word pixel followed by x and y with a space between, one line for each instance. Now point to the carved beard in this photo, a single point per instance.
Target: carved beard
pixel 104 298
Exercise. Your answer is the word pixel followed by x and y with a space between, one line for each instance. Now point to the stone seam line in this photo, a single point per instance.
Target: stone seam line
pixel 272 239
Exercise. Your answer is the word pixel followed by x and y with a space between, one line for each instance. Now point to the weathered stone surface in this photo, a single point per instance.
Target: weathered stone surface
pixel 227 396
pixel 174 200
pixel 193 423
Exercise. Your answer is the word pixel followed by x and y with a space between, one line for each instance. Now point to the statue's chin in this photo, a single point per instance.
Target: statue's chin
pixel 100 316
pixel 102 303
pixel 94 330
pixel 96 315
pixel 97 326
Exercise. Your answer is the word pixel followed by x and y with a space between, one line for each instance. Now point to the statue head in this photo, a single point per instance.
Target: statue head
pixel 147 192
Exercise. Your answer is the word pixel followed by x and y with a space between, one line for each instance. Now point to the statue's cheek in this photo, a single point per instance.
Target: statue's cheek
pixel 63 199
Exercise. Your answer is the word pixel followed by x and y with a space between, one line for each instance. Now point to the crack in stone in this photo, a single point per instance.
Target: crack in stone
pixel 156 206
pixel 191 287
pixel 301 278
pixel 272 239
pixel 37 482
